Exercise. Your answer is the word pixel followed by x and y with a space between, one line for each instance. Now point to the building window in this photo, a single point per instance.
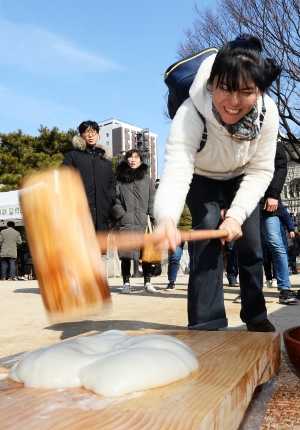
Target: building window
pixel 107 134
pixel 107 142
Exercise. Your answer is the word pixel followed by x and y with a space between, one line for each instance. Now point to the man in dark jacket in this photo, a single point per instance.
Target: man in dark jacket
pixel 271 213
pixel 9 241
pixel 96 173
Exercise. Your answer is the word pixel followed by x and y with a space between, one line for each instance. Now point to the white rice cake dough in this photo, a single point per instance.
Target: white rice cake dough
pixel 111 364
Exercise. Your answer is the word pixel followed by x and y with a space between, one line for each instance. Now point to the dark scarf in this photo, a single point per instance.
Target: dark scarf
pixel 127 174
pixel 245 129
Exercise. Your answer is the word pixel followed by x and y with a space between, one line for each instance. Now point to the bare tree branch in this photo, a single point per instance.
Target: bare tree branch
pixel 276 24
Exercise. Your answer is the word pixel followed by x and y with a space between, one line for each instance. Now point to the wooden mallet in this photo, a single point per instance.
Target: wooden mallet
pixel 62 240
pixel 66 252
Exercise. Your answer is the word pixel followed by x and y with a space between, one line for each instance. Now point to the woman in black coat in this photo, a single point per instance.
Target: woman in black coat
pixel 134 203
pixel 28 262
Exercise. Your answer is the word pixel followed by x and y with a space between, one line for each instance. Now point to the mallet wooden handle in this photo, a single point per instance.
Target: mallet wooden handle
pixel 190 235
pixel 131 240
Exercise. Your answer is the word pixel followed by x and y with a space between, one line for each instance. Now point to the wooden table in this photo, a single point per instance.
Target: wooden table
pixel 232 365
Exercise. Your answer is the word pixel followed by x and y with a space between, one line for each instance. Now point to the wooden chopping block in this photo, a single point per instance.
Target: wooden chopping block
pixel 232 365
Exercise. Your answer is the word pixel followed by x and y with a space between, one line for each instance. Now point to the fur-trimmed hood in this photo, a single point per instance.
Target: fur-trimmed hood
pixel 127 174
pixel 80 144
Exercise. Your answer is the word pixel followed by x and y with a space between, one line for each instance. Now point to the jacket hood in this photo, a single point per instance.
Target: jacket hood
pixel 80 144
pixel 198 91
pixel 127 174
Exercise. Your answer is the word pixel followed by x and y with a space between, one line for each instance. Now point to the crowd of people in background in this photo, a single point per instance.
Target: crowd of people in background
pixel 16 259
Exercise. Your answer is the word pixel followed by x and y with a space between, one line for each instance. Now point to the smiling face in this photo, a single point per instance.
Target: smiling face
pixel 234 105
pixel 91 136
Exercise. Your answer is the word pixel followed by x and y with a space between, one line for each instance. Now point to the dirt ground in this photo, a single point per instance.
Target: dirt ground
pixel 25 325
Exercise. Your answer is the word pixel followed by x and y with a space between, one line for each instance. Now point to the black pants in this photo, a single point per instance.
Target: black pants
pixel 125 268
pixel 205 290
pixel 28 268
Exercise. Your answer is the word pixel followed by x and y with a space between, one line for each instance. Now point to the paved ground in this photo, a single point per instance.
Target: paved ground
pixel 25 325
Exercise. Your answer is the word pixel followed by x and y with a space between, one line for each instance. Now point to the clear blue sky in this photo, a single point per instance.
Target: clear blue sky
pixel 64 61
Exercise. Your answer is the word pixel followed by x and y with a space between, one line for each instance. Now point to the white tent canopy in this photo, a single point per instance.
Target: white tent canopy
pixel 10 208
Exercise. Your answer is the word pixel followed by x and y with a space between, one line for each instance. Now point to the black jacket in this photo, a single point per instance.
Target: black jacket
pixel 295 249
pixel 26 253
pixel 98 179
pixel 135 198
pixel 276 185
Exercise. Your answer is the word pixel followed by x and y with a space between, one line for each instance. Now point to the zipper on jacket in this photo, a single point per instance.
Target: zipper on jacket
pixel 93 154
pixel 93 158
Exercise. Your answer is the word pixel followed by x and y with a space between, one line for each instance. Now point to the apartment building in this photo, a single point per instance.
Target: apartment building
pixel 119 136
pixel 290 195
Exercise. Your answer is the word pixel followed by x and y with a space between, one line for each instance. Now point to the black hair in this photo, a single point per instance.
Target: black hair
pixel 88 124
pixel 133 151
pixel 241 60
pixel 10 224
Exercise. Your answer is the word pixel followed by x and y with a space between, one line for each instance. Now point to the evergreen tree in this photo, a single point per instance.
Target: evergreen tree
pixel 21 154
pixel 114 161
